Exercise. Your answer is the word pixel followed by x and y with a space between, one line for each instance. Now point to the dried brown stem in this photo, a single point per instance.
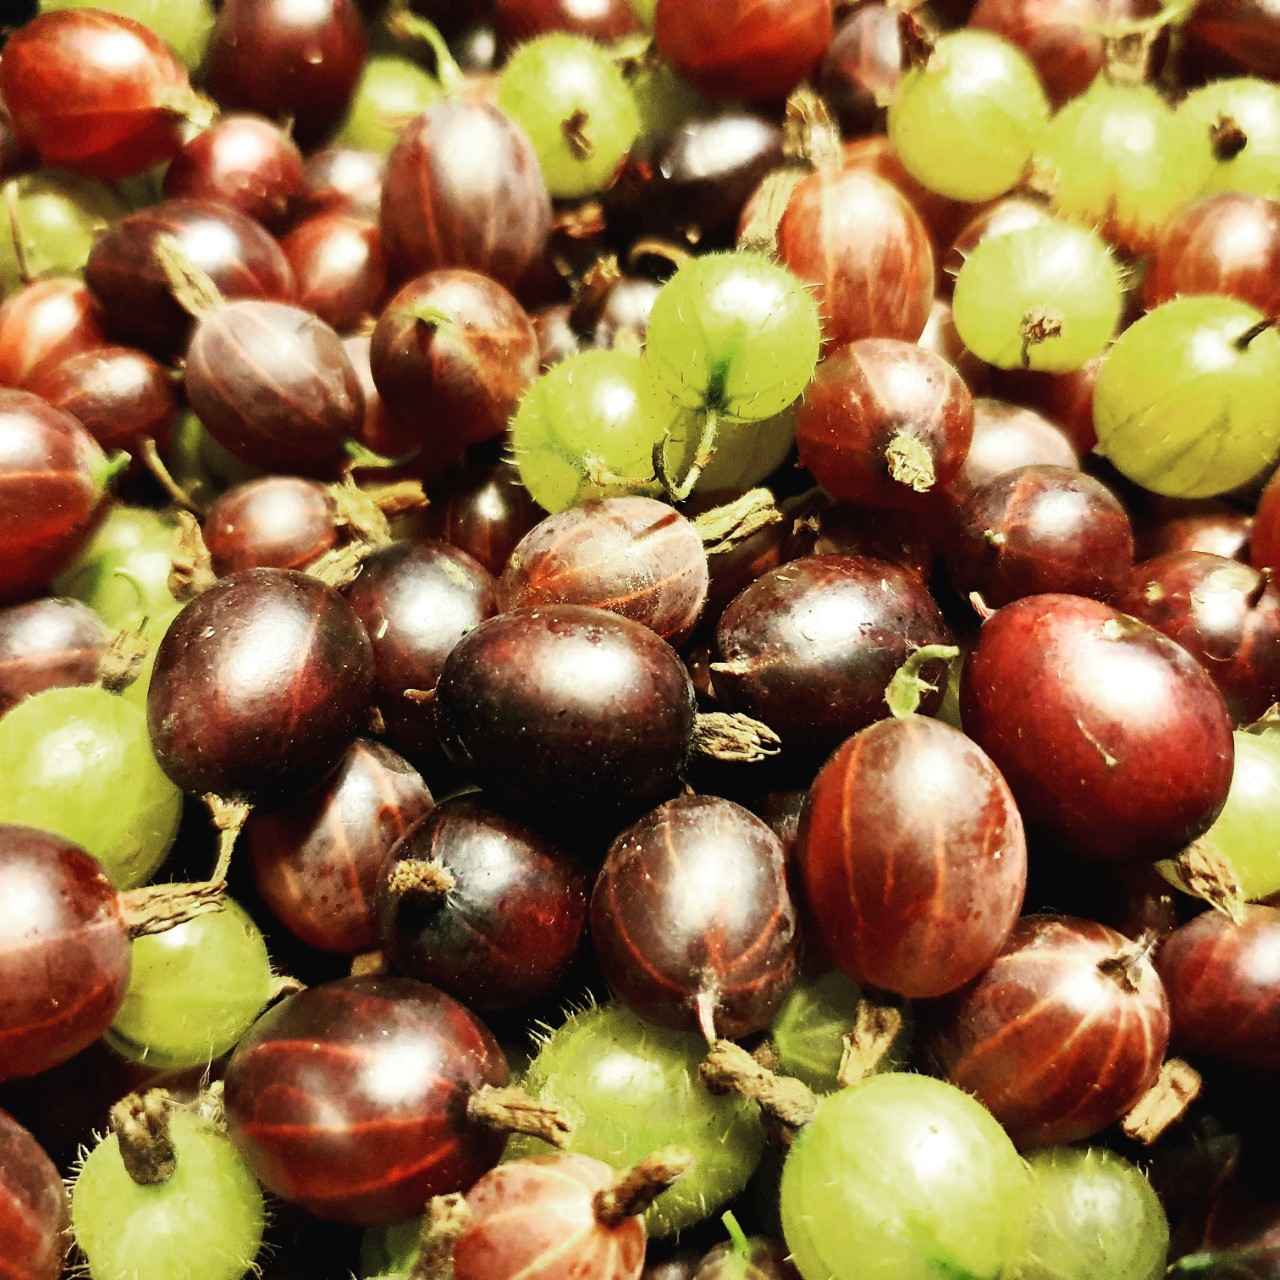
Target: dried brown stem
pixel 229 817
pixel 1206 872
pixel 590 297
pixel 640 1186
pixel 1125 967
pixel 141 1125
pixel 725 527
pixel 157 908
pixel 122 660
pixel 443 1224
pixel 1227 138
pixel 426 881
pixel 729 1068
pixel 511 1110
pixel 1177 1086
pixel 191 572
pixel 875 1029
pixel 193 289
pixel 161 474
pixel 917 43
pixel 734 737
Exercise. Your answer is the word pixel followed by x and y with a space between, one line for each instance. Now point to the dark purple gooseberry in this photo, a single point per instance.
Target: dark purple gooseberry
pixel 49 643
pixel 273 385
pixel 44 323
pixel 692 922
pixel 338 264
pixel 1203 524
pixel 690 184
pixel 1061 1035
pixel 451 355
pixel 242 161
pixel 341 180
pixel 52 479
pixel 482 907
pixel 1037 529
pixel 259 686
pixel 463 188
pixel 1007 436
pixel 35 1219
pixel 811 647
pixel 416 601
pixel 66 956
pixel 132 294
pixel 862 67
pixel 913 858
pixel 1224 613
pixel 567 709
pixel 885 423
pixel 1223 979
pixel 121 396
pixel 354 1099
pixel 846 529
pixel 633 556
pixel 287 61
pixel 1113 739
pixel 272 522
pixel 319 860
pixel 484 510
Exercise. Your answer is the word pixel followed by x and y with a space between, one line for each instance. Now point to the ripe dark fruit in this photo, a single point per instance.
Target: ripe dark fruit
pixel 274 522
pixel 861 68
pixel 1065 39
pixel 341 180
pixel 1006 436
pixel 319 860
pixel 52 478
pixel 862 246
pixel 132 292
pixel 95 93
pixel 810 647
pixel 259 685
pixel 273 386
pixel 1226 243
pixel 417 600
pixel 67 950
pixel 451 355
pixel 360 1099
pixel 339 267
pixel 34 1217
pixel 463 189
pixel 121 396
pixel 692 922
pixel 482 907
pixel 1223 990
pixel 1223 613
pixel 912 857
pixel 633 556
pixel 484 510
pixel 48 644
pixel 1111 736
pixel 884 422
pixel 1037 529
pixel 690 183
pixel 567 709
pixel 754 49
pixel 1203 524
pixel 244 162
pixel 562 1215
pixel 1061 1035
pixel 42 324
pixel 1234 37
pixel 282 60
